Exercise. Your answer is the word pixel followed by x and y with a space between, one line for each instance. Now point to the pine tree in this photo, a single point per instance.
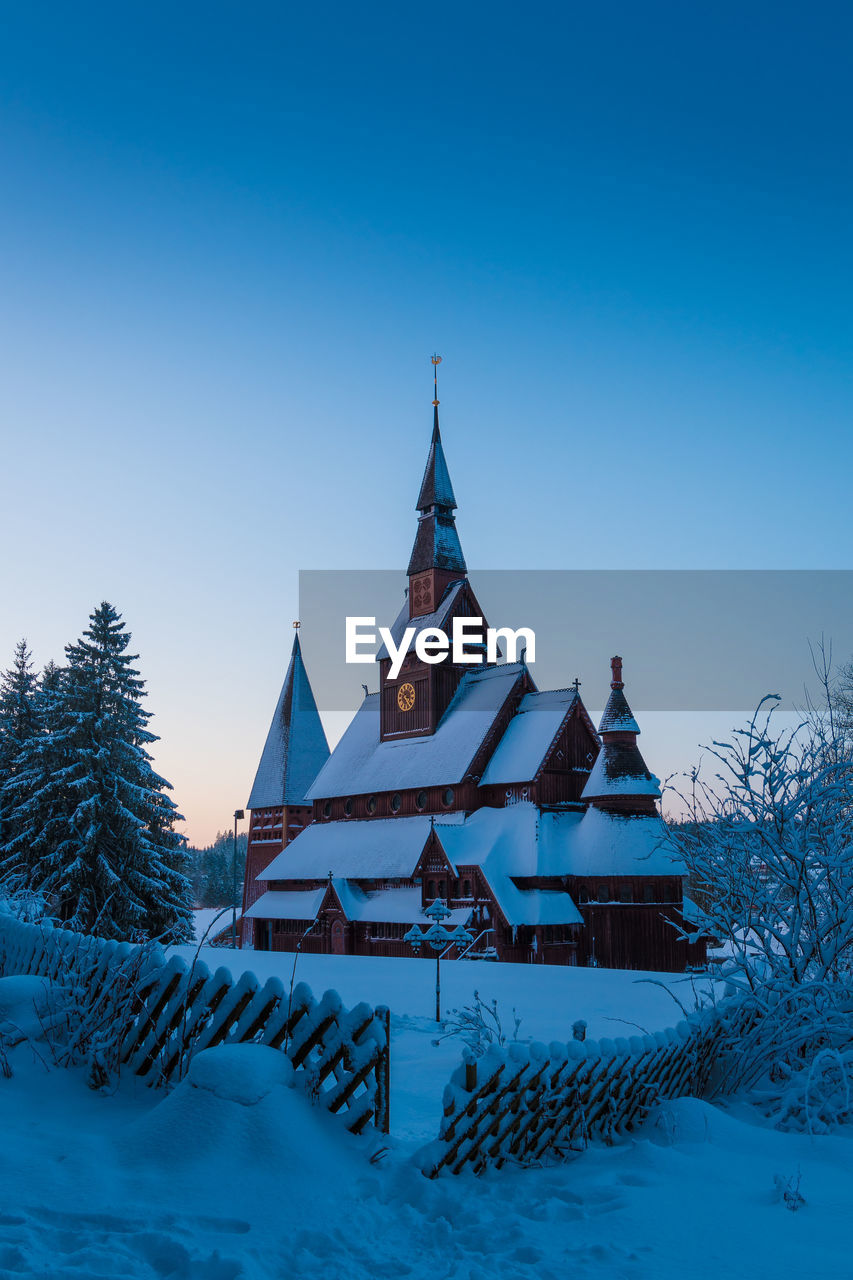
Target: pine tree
pixel 95 826
pixel 27 799
pixel 19 722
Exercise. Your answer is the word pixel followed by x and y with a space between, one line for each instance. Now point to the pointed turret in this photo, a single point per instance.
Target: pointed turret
pixel 436 542
pixel 296 748
pixel 620 780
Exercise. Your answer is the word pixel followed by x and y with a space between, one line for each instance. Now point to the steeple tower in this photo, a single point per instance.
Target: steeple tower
pixel 620 781
pixel 294 753
pixel 437 558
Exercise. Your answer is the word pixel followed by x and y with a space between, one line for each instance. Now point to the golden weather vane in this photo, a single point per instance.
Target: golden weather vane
pixel 436 361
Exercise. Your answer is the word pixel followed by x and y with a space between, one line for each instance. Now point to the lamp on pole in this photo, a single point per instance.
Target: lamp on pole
pixel 439 938
pixel 238 817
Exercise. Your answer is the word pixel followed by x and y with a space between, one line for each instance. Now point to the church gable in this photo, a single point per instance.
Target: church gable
pixel 434 860
pixel 546 752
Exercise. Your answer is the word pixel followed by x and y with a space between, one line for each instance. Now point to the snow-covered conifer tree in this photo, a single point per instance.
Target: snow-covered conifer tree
pixel 19 721
pixel 94 825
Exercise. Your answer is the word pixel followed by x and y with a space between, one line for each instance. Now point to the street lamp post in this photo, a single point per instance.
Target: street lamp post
pixel 439 938
pixel 238 817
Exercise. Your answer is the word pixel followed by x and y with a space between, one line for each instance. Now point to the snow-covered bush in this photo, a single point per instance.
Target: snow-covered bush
pixel 769 844
pixel 86 1020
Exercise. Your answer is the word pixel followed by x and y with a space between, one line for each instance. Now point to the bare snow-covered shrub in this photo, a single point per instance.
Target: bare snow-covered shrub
pixel 479 1025
pixel 769 844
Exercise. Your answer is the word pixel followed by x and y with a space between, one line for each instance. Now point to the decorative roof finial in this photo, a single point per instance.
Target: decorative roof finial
pixel 436 361
pixel 297 625
pixel 616 681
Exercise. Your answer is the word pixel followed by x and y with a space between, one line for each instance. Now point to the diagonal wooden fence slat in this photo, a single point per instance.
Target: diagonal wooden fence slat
pixel 163 1012
pixel 529 1103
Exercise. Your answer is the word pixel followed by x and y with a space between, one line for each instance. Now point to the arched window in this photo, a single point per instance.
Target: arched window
pixel 431 894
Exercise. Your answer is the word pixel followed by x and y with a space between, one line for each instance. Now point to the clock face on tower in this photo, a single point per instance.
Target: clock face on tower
pixel 406 696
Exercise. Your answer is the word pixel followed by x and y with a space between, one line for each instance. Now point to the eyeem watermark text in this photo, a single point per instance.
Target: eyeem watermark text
pixel 469 641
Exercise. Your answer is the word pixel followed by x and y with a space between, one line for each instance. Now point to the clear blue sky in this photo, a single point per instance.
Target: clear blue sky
pixel 230 237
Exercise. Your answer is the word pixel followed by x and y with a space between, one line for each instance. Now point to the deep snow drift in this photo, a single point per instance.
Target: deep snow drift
pixel 236 1174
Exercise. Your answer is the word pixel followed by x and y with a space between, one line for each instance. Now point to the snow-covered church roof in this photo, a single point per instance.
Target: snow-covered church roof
pixel 370 849
pixel 361 763
pixel 296 747
pixel 528 736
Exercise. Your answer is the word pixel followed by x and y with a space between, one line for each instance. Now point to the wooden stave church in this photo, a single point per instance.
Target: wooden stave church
pixel 466 783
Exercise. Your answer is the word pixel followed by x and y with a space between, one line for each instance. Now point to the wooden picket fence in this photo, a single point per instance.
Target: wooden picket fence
pixel 528 1104
pixel 164 1011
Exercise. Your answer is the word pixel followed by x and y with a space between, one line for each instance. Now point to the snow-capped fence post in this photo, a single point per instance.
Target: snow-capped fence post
pixel 130 1006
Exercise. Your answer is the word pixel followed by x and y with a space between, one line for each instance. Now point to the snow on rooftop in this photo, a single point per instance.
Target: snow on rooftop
pixel 275 905
pixel 607 780
pixel 360 849
pixel 601 844
pixel 519 841
pixel 295 749
pixel 505 843
pixel 528 736
pixel 536 906
pixel 393 906
pixel 361 763
pixel 618 716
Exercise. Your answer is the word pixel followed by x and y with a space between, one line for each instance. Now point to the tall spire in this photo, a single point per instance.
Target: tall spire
pixel 437 543
pixel 296 748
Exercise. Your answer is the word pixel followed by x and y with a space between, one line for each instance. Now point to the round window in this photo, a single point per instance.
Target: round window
pixel 447 797
pixel 348 808
pixel 371 804
pixel 421 799
pixel 396 801
pixel 327 809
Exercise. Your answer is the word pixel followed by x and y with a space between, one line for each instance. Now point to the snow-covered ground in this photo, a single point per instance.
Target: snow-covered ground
pixel 234 1174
